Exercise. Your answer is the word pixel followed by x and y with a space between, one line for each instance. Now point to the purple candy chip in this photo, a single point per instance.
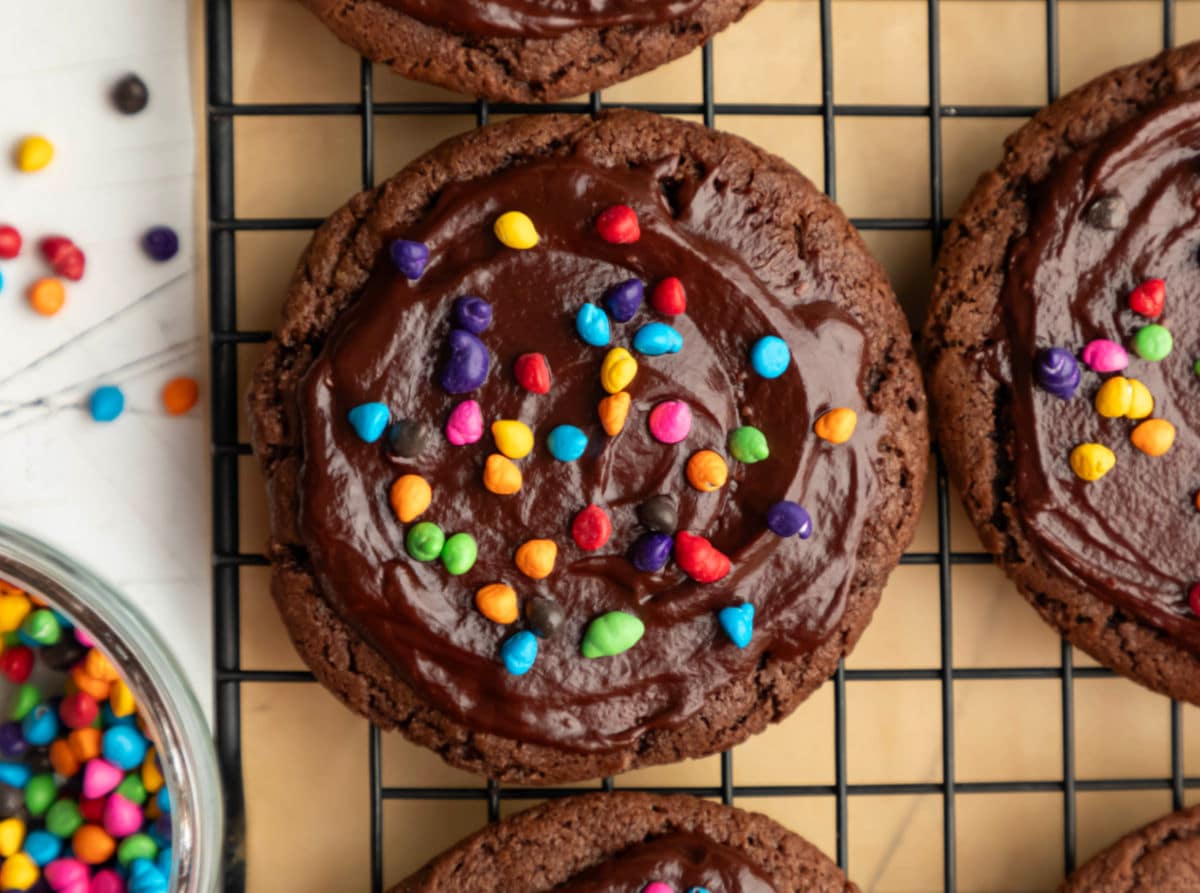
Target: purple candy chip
pixel 1057 372
pixel 471 313
pixel 409 258
pixel 651 551
pixel 467 366
pixel 789 519
pixel 161 243
pixel 12 740
pixel 624 299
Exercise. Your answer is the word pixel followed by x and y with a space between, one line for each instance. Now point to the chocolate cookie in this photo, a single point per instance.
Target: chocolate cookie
pixel 526 50
pixel 612 843
pixel 1062 339
pixel 589 443
pixel 1162 857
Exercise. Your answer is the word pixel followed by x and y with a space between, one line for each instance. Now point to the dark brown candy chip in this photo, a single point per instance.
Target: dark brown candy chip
pixel 544 615
pixel 658 513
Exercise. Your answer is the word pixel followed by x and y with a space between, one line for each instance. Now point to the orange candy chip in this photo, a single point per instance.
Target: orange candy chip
pixel 47 296
pixel 84 743
pixel 92 844
pixel 63 760
pixel 179 395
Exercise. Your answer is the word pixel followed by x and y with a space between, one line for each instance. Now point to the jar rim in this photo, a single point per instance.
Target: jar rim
pixel 176 722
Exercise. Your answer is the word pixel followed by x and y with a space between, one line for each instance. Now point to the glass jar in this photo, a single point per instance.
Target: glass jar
pixel 173 717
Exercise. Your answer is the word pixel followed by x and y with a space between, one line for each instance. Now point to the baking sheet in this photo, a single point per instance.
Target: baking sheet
pixel 992 52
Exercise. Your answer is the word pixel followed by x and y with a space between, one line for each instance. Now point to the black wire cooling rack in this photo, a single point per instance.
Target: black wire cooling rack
pixel 225 336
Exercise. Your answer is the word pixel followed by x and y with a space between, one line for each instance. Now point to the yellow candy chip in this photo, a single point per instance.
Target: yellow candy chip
pixel 617 370
pixel 1114 397
pixel 535 558
pixel 410 496
pixel 19 872
pixel 837 425
pixel 614 411
pixel 152 779
pixel 1153 436
pixel 516 230
pixel 120 699
pixel 501 475
pixel 12 835
pixel 1141 403
pixel 707 471
pixel 498 603
pixel 513 438
pixel 13 609
pixel 34 153
pixel 1092 461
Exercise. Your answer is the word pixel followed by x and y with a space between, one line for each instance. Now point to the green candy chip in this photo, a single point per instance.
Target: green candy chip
pixel 425 541
pixel 1153 342
pixel 459 553
pixel 132 789
pixel 748 445
pixel 63 818
pixel 42 626
pixel 612 634
pixel 136 846
pixel 27 698
pixel 40 793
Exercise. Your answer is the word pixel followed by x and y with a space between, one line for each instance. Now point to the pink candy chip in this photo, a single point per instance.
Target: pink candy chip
pixel 465 424
pixel 100 777
pixel 1103 355
pixel 107 881
pixel 670 422
pixel 61 873
pixel 79 886
pixel 122 817
pixel 657 887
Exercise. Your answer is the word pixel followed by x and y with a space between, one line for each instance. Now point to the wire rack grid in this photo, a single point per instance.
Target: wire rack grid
pixel 225 336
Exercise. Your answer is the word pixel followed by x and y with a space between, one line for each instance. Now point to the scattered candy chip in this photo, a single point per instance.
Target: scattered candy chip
pixel 425 541
pixel 770 356
pixel 10 242
pixel 625 299
pixel 592 325
pixel 465 424
pixel 566 443
pixel 106 403
pixel 1102 355
pixel 837 425
pixel 544 616
pixel 707 471
pixel 671 421
pixel 591 528
pixel 699 558
pixel 179 395
pixel 498 603
pixel 657 339
pixel 47 296
pixel 535 558
pixel 130 95
pixel 513 438
pixel 161 243
pixel 669 297
pixel 650 552
pixel 467 365
pixel 501 475
pixel 1153 342
pixel 459 554
pixel 470 313
pixel 618 370
pixel 34 153
pixel 407 438
pixel 409 258
pixel 1148 298
pixel 789 519
pixel 410 497
pixel 532 371
pixel 748 445
pixel 1057 372
pixel 1153 436
pixel 658 513
pixel 613 411
pixel 1114 398
pixel 519 652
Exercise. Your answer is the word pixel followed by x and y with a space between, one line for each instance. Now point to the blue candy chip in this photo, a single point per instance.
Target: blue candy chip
pixel 657 339
pixel 144 877
pixel 107 403
pixel 519 652
pixel 164 799
pixel 124 747
pixel 40 725
pixel 770 356
pixel 592 325
pixel 369 420
pixel 163 861
pixel 738 623
pixel 42 846
pixel 15 775
pixel 567 443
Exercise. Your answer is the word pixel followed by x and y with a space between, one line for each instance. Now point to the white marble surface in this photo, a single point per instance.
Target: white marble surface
pixel 130 498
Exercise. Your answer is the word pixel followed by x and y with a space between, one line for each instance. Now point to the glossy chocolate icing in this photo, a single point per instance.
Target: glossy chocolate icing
pixel 741 285
pixel 1133 537
pixel 682 861
pixel 541 18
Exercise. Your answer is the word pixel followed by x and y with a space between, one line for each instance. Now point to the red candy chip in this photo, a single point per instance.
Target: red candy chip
pixel 92 809
pixel 669 298
pixel 64 255
pixel 1148 298
pixel 1194 599
pixel 618 225
pixel 16 663
pixel 78 710
pixel 10 242
pixel 533 373
pixel 591 528
pixel 699 558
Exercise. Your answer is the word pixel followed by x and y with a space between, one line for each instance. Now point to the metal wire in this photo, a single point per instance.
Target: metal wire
pixel 226 338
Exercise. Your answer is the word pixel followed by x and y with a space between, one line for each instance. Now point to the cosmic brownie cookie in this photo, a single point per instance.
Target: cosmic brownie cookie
pixel 590 444
pixel 1162 857
pixel 1062 363
pixel 526 50
pixel 632 843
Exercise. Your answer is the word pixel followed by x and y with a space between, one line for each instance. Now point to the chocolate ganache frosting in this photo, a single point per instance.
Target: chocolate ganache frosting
pixel 682 861
pixel 541 18
pixel 388 346
pixel 1112 215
